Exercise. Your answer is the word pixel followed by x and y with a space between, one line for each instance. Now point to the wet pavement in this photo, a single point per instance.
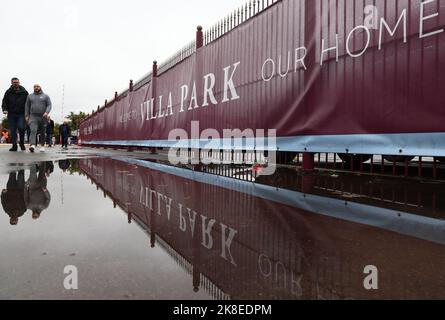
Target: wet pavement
pixel 137 228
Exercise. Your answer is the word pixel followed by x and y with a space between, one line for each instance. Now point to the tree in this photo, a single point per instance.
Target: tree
pixel 57 132
pixel 76 119
pixel 5 124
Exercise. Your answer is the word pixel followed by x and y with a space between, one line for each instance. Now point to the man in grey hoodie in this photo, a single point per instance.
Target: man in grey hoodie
pixel 37 109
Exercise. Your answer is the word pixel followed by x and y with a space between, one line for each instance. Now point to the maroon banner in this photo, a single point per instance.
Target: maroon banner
pixel 321 72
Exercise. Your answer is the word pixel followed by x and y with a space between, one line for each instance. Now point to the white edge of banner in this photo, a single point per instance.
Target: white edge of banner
pixel 415 144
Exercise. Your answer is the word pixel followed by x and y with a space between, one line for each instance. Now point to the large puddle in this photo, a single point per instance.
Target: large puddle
pixel 135 229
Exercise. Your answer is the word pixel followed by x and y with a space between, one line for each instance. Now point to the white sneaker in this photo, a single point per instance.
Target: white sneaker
pixel 42 149
pixel 32 149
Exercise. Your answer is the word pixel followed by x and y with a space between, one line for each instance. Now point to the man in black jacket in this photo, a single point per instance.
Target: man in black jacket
pixel 65 131
pixel 49 132
pixel 13 105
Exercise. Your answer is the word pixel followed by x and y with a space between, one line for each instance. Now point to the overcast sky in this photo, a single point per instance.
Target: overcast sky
pixel 94 47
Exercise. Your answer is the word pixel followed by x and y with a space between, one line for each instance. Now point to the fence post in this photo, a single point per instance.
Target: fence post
pixel 307 184
pixel 152 229
pixel 308 162
pixel 155 69
pixel 199 38
pixel 195 149
pixel 310 9
pixel 153 93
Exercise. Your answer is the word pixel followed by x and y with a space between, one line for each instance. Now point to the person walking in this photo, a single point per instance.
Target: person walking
pixel 65 132
pixel 13 106
pixel 49 132
pixel 37 109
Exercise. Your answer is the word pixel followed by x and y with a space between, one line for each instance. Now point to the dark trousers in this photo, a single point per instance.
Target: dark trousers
pixel 49 139
pixel 16 181
pixel 65 141
pixel 17 122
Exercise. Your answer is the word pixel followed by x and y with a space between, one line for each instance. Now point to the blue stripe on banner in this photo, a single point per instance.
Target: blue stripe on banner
pixel 416 144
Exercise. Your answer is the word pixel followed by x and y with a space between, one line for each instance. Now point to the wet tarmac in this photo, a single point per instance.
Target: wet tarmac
pixel 137 228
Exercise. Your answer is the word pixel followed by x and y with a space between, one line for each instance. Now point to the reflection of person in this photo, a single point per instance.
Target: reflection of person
pixel 64 165
pixel 37 196
pixel 49 167
pixel 13 200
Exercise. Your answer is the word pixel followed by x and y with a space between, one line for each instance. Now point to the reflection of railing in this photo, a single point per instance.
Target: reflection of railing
pixel 382 191
pixel 417 167
pixel 212 289
pixel 209 274
pixel 265 231
pixel 420 167
pixel 425 200
pixel 205 283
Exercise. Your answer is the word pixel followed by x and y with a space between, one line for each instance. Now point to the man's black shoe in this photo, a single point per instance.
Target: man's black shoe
pixel 13 149
pixel 22 147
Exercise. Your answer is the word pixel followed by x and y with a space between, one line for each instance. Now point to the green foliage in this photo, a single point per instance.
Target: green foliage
pixel 5 124
pixel 75 119
pixel 75 167
pixel 57 132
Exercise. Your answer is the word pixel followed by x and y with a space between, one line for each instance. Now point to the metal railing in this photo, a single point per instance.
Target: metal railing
pixel 178 57
pixel 219 29
pixel 233 20
pixel 237 17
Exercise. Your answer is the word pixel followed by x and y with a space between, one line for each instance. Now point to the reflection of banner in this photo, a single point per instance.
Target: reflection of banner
pixel 248 245
pixel 327 74
pixel 202 232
